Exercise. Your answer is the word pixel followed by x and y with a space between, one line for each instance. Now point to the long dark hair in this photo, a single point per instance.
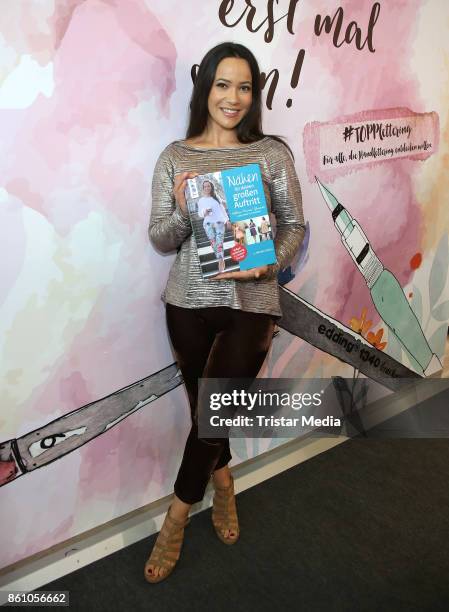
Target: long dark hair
pixel 250 127
pixel 212 189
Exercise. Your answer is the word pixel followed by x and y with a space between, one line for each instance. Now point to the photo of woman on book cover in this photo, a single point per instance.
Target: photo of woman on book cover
pixel 253 231
pixel 215 219
pixel 239 230
pixel 265 229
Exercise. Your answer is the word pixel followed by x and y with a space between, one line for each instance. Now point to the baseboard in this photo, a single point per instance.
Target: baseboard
pixel 32 573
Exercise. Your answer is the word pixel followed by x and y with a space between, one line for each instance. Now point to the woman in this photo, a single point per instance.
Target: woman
pixel 264 229
pixel 240 233
pixel 215 219
pixel 253 230
pixel 206 319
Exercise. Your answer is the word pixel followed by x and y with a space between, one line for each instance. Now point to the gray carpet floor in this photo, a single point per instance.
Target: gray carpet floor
pixel 364 526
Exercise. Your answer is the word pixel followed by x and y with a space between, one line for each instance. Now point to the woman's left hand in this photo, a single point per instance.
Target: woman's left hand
pixel 243 275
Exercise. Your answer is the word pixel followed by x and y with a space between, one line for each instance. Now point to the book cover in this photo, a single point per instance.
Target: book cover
pixel 230 220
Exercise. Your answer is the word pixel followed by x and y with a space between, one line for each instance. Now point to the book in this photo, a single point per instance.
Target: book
pixel 230 220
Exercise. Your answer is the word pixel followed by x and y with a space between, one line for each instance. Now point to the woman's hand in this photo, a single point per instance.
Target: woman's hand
pixel 179 188
pixel 244 275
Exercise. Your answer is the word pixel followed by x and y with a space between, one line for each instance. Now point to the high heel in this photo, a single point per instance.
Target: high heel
pixel 167 548
pixel 224 513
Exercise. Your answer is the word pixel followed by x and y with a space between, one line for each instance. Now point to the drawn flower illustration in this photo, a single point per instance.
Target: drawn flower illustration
pixel 416 261
pixel 360 326
pixel 376 339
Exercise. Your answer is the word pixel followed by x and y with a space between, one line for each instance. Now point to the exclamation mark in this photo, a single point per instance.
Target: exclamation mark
pixel 296 73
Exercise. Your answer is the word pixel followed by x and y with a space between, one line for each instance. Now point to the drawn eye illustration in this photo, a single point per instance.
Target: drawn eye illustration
pixel 50 441
pixel 39 447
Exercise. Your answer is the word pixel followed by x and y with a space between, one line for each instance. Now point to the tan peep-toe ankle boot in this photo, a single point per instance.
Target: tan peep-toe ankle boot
pixel 224 513
pixel 167 549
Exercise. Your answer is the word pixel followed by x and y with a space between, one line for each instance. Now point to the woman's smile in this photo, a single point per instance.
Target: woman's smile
pixel 229 112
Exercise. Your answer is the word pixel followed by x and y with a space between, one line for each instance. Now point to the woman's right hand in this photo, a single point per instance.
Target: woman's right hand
pixel 179 188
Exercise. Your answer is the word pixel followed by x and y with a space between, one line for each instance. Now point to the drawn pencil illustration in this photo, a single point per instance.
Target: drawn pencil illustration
pixel 67 433
pixel 386 292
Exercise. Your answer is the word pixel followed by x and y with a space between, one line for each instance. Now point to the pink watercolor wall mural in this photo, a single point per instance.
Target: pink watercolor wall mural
pixel 93 413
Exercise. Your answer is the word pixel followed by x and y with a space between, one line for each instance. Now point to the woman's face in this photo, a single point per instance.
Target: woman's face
pixel 230 96
pixel 207 188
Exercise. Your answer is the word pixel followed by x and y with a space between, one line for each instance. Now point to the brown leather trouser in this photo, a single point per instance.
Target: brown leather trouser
pixel 215 342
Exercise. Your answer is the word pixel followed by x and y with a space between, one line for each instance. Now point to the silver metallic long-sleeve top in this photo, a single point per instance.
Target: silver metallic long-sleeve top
pixel 170 227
